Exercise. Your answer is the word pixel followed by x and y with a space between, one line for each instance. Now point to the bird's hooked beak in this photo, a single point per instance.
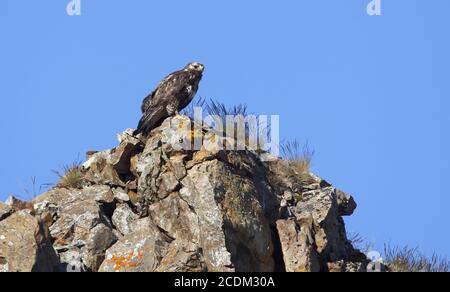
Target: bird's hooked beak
pixel 196 67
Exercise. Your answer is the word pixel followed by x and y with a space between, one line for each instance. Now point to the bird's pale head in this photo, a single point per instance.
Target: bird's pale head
pixel 195 67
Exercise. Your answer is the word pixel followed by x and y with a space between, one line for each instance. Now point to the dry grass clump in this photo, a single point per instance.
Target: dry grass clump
pixel 300 158
pixel 218 109
pixel 403 259
pixel 411 260
pixel 70 177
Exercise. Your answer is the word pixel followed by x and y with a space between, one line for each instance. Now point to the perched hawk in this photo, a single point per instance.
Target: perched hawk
pixel 172 95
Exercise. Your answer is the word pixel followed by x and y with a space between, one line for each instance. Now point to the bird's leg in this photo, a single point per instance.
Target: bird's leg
pixel 172 109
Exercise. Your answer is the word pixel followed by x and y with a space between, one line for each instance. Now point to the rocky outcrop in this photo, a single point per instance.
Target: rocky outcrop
pixel 149 205
pixel 5 211
pixel 25 245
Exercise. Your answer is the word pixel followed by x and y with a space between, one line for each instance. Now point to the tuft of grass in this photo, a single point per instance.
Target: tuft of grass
pixel 360 243
pixel 70 177
pixel 356 239
pixel 189 110
pixel 216 108
pixel 402 259
pixel 411 260
pixel 300 157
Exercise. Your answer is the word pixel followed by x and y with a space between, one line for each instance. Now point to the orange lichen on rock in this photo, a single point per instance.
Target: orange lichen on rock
pixel 122 263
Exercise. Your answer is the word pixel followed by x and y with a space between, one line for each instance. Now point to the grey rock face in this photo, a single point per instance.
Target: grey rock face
pixel 81 225
pixel 122 219
pixel 25 245
pixel 155 206
pixel 234 233
pixel 140 251
pixel 297 244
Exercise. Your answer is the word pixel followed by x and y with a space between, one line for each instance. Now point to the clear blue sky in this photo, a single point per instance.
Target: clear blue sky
pixel 371 94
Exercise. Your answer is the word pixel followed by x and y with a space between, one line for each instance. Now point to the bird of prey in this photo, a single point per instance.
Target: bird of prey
pixel 172 95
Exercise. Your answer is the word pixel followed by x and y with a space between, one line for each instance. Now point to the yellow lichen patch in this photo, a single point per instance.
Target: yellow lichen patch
pixel 302 269
pixel 181 124
pixel 133 197
pixel 133 163
pixel 61 242
pixel 213 138
pixel 201 155
pixel 195 134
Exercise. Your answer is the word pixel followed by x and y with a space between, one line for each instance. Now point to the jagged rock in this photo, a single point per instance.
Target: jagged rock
pixel 175 217
pixel 72 261
pixel 121 156
pixel 234 234
pixel 102 194
pixel 100 238
pixel 168 183
pixel 182 257
pixel 100 171
pixel 297 244
pixel 149 169
pixel 82 223
pixel 123 217
pixel 176 134
pixel 199 157
pixel 177 166
pixel 120 195
pixel 45 206
pixel 347 267
pixel 346 204
pixel 25 245
pixel 5 211
pixel 321 208
pixel 156 206
pixel 140 251
pixel 16 205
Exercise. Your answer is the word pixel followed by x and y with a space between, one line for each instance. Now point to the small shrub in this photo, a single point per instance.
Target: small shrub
pixel 71 176
pixel 403 259
pixel 300 157
pixel 360 243
pixel 356 239
pixel 216 108
pixel 219 109
pixel 411 260
pixel 189 110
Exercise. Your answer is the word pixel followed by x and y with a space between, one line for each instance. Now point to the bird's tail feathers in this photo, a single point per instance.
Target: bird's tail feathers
pixel 147 124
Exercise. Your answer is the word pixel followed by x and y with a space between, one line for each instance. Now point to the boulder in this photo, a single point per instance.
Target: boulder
pixel 139 251
pixel 234 234
pixel 16 205
pixel 297 245
pixel 82 228
pixel 25 245
pixel 182 257
pixel 123 217
pixel 176 218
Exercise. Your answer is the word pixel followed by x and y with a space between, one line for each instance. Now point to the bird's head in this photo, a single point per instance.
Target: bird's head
pixel 195 67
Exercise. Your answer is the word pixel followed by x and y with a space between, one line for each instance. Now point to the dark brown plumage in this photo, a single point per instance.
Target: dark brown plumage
pixel 172 95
